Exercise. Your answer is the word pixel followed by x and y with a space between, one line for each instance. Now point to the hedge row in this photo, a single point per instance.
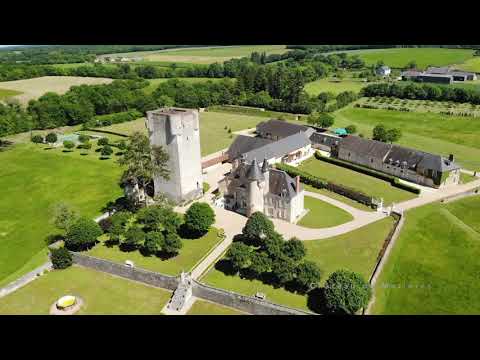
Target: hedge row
pixel 361 169
pixel 116 118
pixel 319 183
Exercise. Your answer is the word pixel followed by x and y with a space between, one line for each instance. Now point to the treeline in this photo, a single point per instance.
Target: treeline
pixel 327 48
pixel 422 91
pixel 65 54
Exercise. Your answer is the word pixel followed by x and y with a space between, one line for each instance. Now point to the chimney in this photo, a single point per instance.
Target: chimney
pixel 297 184
pixel 451 157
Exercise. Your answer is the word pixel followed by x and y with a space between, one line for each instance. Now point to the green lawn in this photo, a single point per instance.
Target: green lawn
pixel 213 136
pixel 435 133
pixel 6 93
pixel 466 178
pixel 338 197
pixel 328 85
pixel 103 294
pixel 155 82
pixel 191 253
pixel 433 268
pixel 201 307
pixel 32 181
pixel 321 214
pixel 399 58
pixel 364 183
pixel 472 64
pixel 356 250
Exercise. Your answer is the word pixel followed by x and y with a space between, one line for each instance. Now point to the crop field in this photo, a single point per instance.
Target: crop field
pixel 355 180
pixel 27 176
pixel 424 57
pixel 102 294
pixel 430 132
pixel 203 55
pixel 213 135
pixel 452 108
pixel 357 251
pixel 34 88
pixel 433 267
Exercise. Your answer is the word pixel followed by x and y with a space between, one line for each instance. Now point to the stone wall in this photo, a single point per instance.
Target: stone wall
pixel 243 303
pixel 140 275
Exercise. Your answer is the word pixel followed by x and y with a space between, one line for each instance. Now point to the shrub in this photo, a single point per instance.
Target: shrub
pixel 116 118
pixel 199 218
pixel 51 138
pixel 351 129
pixel 106 151
pixel 82 234
pixel 105 224
pixel 61 258
pixel 67 144
pixel 83 138
pixel 37 139
pixel 102 141
pixel 63 216
pixel 206 187
pixel 346 292
pixel 122 145
pixel 87 146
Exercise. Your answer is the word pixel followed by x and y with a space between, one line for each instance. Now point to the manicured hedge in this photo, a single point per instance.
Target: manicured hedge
pixel 394 181
pixel 116 118
pixel 319 183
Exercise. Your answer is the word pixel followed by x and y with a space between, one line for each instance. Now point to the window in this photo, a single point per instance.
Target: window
pixel 348 154
pixel 371 160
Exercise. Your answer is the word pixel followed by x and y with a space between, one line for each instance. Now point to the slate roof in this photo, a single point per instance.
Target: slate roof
pixel 325 139
pixel 280 128
pixel 254 172
pixel 281 182
pixel 365 147
pixel 279 148
pixel 438 70
pixel 243 144
pixel 411 73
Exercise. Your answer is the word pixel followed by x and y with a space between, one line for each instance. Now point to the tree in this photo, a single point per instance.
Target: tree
pixel 273 245
pixel 346 292
pixel 83 138
pixel 51 138
pixel 82 234
pixel 393 135
pixel 307 276
pixel 322 120
pixel 172 243
pixel 102 141
pixel 143 161
pixel 239 255
pixel 37 139
pixel 159 218
pixel 154 242
pixel 69 145
pixel 260 263
pixel 199 217
pixel 61 258
pixel 284 270
pixel 412 65
pixel 351 129
pixel 294 249
pixel 117 229
pixel 134 238
pixel 106 151
pixel 87 146
pixel 63 216
pixel 122 145
pixel 380 133
pixel 258 227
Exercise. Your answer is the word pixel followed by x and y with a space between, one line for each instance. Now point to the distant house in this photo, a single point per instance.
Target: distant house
pixel 383 71
pixel 406 163
pixel 443 75
pixel 410 74
pixel 435 78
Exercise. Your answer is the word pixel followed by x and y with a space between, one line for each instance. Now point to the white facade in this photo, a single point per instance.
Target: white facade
pixel 178 132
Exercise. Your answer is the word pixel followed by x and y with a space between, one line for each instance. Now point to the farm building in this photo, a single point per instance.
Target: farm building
pixel 457 75
pixel 325 142
pixel 278 129
pixel 442 75
pixel 409 164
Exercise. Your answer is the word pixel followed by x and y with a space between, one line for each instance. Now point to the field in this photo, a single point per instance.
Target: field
pixel 322 214
pixel 191 253
pixel 356 251
pixel 424 57
pixel 34 88
pixel 433 268
pixel 471 64
pixel 213 136
pixel 6 93
pixel 102 294
pixel 155 82
pixel 27 176
pixel 329 85
pixel 364 183
pixel 202 55
pixel 201 307
pixel 430 132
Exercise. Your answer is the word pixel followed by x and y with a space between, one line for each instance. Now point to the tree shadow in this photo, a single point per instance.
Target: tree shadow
pixel 185 233
pixel 5 144
pixel 120 153
pixel 127 247
pixel 98 150
pixel 53 238
pixel 225 266
pixel 67 151
pixel 48 148
pixel 104 157
pixel 316 301
pixel 83 154
pixel 165 256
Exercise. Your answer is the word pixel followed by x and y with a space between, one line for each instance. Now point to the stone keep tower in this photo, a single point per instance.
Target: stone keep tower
pixel 177 130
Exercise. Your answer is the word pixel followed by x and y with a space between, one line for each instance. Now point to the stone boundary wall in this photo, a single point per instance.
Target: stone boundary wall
pixel 461 195
pixel 387 250
pixel 243 303
pixel 135 274
pixel 25 279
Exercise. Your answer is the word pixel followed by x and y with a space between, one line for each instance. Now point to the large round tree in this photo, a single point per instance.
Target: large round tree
pixel 258 227
pixel 346 292
pixel 82 234
pixel 198 218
